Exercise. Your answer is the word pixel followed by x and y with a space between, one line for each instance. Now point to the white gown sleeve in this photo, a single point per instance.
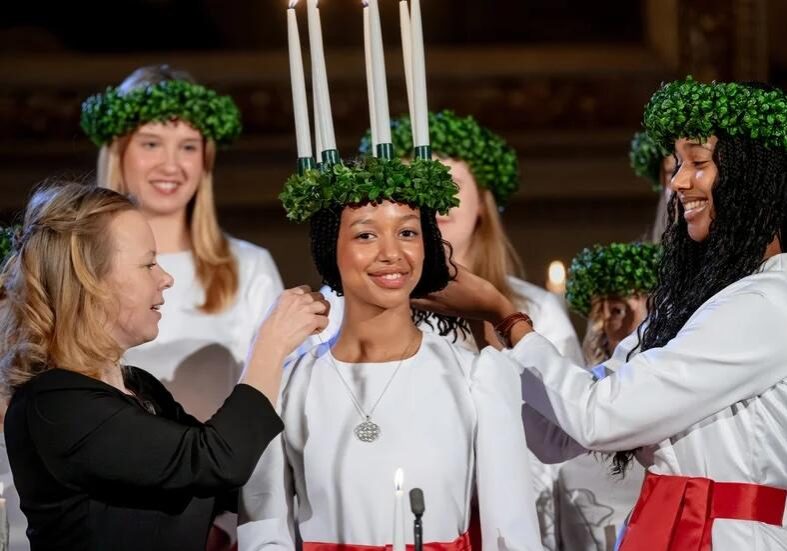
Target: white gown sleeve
pixel 732 348
pixel 503 479
pixel 266 517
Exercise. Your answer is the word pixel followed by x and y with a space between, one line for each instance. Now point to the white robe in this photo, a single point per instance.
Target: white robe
pixel 450 419
pixel 551 320
pixel 199 357
pixel 710 403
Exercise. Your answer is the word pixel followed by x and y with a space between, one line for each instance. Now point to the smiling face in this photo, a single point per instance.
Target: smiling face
pixel 136 281
pixel 693 182
pixel 380 253
pixel 163 165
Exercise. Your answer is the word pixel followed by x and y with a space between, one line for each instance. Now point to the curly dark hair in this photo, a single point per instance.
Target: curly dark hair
pixel 750 205
pixel 438 269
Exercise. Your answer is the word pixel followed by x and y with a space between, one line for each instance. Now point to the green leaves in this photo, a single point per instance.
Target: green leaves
pixel 422 183
pixel 111 114
pixel 690 109
pixel 494 164
pixel 6 242
pixel 618 269
pixel 645 157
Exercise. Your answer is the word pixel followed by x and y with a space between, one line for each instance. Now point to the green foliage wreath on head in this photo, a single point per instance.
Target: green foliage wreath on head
pixel 694 110
pixel 112 114
pixel 618 269
pixel 6 242
pixel 493 162
pixel 645 157
pixel 421 183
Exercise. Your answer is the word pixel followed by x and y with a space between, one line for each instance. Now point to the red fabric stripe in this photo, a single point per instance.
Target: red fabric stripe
pixel 676 513
pixel 462 543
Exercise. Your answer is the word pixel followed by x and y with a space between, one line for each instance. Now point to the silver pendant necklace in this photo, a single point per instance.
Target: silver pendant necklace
pixel 367 430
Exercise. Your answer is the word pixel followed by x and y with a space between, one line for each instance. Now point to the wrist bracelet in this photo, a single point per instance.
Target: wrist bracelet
pixel 503 329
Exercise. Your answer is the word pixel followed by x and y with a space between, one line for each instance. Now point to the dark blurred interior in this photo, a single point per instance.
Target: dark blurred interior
pixel 565 81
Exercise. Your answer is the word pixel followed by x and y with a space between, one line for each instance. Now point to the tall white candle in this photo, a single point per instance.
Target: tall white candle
pixel 367 50
pixel 398 526
pixel 420 106
pixel 407 55
pixel 321 75
pixel 381 111
pixel 318 149
pixel 300 106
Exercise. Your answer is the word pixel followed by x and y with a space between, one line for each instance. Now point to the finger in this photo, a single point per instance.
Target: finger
pixel 318 307
pixel 321 323
pixel 301 290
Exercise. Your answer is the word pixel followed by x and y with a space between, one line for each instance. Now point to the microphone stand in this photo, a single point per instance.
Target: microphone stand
pixel 418 508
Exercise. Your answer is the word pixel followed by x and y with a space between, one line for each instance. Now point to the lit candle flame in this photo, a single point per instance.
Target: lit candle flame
pixel 557 272
pixel 399 479
pixel 293 3
pixel 365 3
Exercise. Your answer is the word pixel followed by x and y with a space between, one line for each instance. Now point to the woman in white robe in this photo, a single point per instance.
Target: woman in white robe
pixel 448 417
pixel 701 395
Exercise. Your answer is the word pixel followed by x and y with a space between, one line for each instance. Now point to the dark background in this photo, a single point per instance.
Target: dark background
pixel 564 81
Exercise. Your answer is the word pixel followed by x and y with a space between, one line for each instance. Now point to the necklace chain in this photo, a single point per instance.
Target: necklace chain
pixel 368 431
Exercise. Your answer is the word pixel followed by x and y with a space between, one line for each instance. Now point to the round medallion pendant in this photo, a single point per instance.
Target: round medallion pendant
pixel 367 431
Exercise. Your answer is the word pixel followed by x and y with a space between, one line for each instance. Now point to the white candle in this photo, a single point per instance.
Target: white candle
pixel 407 56
pixel 378 75
pixel 321 75
pixel 420 107
pixel 317 126
pixel 367 50
pixel 300 106
pixel 398 527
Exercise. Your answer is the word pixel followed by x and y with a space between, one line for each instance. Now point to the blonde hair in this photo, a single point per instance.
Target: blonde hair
pixel 216 267
pixel 492 256
pixel 54 306
pixel 595 344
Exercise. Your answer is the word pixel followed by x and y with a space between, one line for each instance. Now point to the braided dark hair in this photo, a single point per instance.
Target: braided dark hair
pixel 438 269
pixel 750 206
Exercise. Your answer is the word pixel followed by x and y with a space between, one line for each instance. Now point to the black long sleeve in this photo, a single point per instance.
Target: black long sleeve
pixel 72 439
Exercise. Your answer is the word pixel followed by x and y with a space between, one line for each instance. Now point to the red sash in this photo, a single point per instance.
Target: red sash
pixel 676 513
pixel 462 543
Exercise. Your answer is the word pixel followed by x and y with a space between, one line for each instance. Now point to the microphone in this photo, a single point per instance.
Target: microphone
pixel 417 507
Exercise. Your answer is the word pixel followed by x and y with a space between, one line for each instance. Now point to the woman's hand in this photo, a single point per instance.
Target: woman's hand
pixel 468 296
pixel 298 314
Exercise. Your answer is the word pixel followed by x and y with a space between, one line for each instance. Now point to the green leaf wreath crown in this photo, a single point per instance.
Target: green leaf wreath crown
pixel 618 269
pixel 493 162
pixel 645 157
pixel 691 109
pixel 422 183
pixel 6 242
pixel 111 114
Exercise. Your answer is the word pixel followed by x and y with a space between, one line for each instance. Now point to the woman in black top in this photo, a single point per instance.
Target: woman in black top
pixel 102 455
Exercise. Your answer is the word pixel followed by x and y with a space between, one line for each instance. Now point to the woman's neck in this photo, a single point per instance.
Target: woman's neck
pixel 373 334
pixel 773 248
pixel 113 376
pixel 171 232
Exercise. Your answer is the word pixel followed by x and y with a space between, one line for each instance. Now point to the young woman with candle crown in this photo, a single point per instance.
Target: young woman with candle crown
pixel 699 395
pixel 158 134
pixel 384 394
